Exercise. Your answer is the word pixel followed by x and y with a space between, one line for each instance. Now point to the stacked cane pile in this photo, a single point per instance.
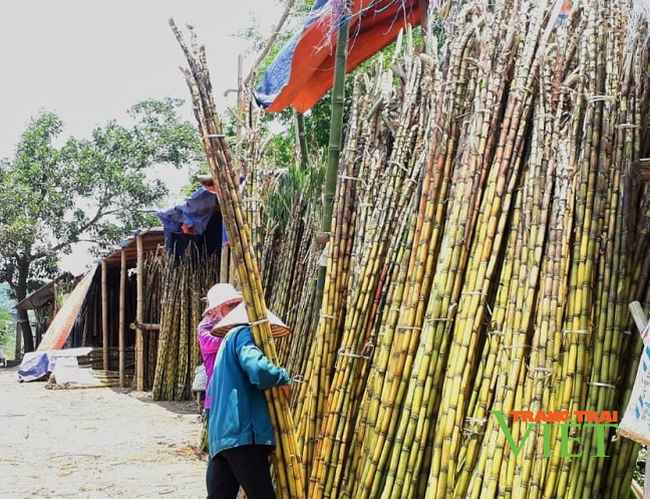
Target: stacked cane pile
pixel 489 233
pixel 489 237
pixel 183 284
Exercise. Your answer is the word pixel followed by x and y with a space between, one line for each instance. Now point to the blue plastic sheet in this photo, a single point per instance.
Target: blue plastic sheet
pixel 195 212
pixel 35 365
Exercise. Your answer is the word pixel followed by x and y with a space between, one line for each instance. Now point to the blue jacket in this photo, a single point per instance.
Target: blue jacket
pixel 239 414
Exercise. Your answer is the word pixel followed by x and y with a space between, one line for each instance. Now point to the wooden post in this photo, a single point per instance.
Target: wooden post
pixel 105 340
pixel 122 315
pixel 19 342
pixel 139 317
pixel 641 322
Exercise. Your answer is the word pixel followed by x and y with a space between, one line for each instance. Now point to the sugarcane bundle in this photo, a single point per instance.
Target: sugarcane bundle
pixel 294 297
pixel 319 363
pixel 517 270
pixel 487 366
pixel 153 264
pixel 281 204
pixel 487 237
pixel 389 192
pixel 289 473
pixel 184 282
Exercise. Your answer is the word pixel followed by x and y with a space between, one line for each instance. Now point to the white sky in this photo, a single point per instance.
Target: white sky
pixel 89 61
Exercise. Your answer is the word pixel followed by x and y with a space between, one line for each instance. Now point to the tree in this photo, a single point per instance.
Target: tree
pixel 7 322
pixel 99 189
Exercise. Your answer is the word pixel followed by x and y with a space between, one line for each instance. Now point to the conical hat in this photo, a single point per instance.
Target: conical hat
pixel 220 294
pixel 204 178
pixel 239 317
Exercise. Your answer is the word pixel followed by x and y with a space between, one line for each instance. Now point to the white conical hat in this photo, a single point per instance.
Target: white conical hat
pixel 239 317
pixel 204 178
pixel 220 294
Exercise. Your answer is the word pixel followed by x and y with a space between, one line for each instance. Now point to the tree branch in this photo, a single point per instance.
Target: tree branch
pixel 270 42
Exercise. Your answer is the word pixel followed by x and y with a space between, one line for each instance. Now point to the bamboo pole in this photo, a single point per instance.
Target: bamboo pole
pixel 302 140
pixel 139 315
pixel 122 329
pixel 105 336
pixel 145 326
pixel 336 135
pixel 225 259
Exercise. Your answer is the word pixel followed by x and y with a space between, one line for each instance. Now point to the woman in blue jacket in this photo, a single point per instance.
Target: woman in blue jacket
pixel 240 430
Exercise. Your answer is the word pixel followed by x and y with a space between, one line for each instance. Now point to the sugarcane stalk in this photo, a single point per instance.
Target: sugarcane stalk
pixel 336 129
pixel 287 462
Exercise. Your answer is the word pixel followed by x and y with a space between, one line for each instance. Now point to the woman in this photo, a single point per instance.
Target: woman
pixel 222 298
pixel 240 430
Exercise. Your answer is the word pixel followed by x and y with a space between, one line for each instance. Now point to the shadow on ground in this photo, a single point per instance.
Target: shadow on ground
pixel 182 407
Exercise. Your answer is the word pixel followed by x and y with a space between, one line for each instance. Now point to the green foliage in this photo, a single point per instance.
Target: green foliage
pixel 99 189
pixel 7 321
pixel 295 184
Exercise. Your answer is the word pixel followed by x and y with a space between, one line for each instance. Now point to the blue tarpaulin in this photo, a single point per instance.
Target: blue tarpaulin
pixel 195 212
pixel 34 366
pixel 199 212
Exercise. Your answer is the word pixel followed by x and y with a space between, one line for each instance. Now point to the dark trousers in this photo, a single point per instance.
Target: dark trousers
pixel 247 466
pixel 208 471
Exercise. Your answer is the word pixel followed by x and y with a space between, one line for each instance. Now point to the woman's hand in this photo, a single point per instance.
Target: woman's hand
pixel 286 390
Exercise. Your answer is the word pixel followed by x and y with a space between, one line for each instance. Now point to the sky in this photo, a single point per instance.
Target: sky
pixel 89 61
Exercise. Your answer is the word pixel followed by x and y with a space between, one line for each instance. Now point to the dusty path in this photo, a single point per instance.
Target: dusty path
pixel 95 443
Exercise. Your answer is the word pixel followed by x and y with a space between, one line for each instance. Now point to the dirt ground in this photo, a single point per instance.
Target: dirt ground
pixel 96 443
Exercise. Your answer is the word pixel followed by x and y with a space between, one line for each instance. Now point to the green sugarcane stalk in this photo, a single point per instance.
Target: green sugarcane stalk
pixel 336 133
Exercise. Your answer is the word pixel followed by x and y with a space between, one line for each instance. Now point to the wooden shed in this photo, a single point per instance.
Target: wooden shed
pixel 105 309
pixel 115 268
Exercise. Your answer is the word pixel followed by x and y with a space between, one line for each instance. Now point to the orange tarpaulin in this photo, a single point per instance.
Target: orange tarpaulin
pixel 60 327
pixel 373 25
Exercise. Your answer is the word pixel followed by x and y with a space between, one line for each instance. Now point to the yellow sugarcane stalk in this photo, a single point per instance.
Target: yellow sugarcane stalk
pixel 288 464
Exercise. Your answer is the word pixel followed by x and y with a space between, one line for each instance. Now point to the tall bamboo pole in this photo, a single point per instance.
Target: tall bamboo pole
pixel 105 315
pixel 336 135
pixel 122 314
pixel 302 140
pixel 139 317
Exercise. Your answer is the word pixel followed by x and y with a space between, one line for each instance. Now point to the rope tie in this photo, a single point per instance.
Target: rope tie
pixel 602 385
pixel 576 331
pixel 547 372
pixel 365 353
pixel 512 347
pixel 480 421
pixel 599 98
